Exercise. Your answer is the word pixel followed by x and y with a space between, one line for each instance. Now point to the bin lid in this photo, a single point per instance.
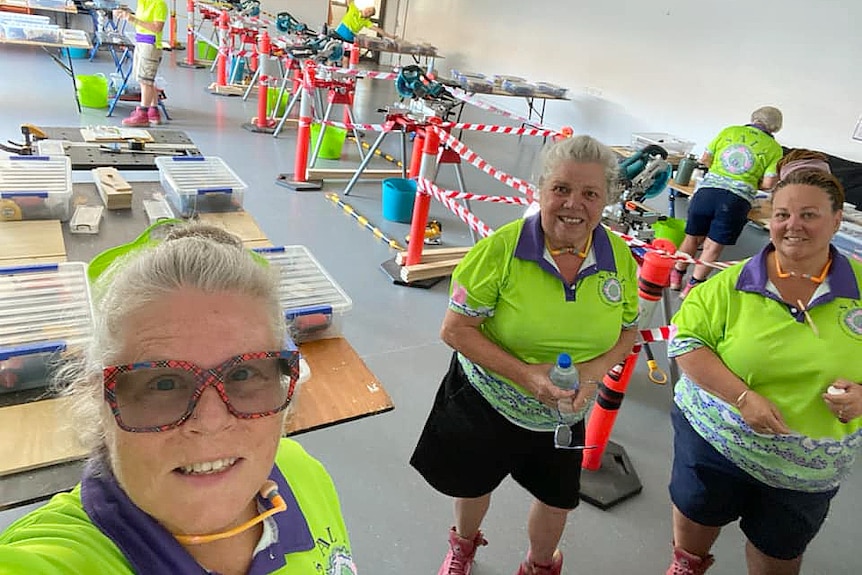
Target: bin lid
pixel 33 174
pixel 303 282
pixel 189 174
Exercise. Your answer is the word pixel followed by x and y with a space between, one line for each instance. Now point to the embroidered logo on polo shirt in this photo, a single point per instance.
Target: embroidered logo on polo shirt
pixel 611 290
pixel 341 562
pixel 851 319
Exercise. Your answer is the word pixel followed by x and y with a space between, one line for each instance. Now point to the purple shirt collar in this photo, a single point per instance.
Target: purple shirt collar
pixel 531 246
pixel 762 129
pixel 842 280
pixel 151 549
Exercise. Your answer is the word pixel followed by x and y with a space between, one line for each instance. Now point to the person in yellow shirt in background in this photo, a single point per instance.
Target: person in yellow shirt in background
pixel 357 20
pixel 149 20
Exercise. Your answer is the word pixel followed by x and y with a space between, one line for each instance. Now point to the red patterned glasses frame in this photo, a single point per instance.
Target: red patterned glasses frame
pixel 149 418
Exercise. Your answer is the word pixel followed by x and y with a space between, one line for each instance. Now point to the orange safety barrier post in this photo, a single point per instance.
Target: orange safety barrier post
pixel 608 476
pixel 298 181
pixel 223 29
pixel 263 123
pixel 416 157
pixel 422 203
pixel 190 38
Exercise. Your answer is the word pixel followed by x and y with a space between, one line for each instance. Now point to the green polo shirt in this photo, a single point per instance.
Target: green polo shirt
pixel 511 281
pixel 771 346
pixel 741 157
pixel 96 529
pixel 353 19
pixel 152 11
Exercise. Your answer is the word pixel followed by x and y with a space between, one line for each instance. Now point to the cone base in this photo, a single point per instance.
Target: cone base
pixel 288 181
pixel 393 270
pixel 613 482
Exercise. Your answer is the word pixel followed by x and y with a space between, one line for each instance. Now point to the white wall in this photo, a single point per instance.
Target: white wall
pixel 686 67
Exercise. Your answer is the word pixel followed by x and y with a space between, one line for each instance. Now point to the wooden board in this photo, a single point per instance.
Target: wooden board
pixel 36 434
pixel 31 239
pixel 115 191
pixel 33 261
pixel 251 244
pixel 241 224
pixel 347 173
pixel 102 134
pixel 341 388
pixel 231 89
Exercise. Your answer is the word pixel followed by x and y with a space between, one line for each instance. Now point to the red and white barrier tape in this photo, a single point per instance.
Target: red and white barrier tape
pixel 544 133
pixel 678 256
pixel 466 216
pixel 663 333
pixel 473 158
pixel 515 200
pixel 360 73
pixel 348 126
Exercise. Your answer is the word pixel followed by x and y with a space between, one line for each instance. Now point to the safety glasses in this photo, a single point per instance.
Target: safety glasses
pixel 155 396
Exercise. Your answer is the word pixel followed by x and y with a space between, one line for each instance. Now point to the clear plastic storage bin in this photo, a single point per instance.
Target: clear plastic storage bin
pixel 314 305
pixel 35 188
pixel 44 311
pixel 848 240
pixel 196 184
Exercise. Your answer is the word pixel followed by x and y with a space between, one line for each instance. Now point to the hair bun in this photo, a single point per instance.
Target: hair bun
pixel 206 232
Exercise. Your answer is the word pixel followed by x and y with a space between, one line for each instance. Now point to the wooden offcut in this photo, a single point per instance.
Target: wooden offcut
pixel 241 224
pixel 49 437
pixel 347 173
pixel 31 239
pixel 434 255
pixel 438 269
pixel 341 388
pixel 116 193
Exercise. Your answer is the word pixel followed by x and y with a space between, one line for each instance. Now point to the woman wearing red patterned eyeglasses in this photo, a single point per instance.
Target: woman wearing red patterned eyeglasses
pixel 182 396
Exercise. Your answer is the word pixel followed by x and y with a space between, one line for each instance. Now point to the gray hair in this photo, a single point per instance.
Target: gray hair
pixel 769 117
pixel 195 255
pixel 584 149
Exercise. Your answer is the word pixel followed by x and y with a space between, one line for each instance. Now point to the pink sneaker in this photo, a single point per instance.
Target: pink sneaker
pixel 685 563
pixel 692 283
pixel 154 117
pixel 676 279
pixel 529 567
pixel 138 119
pixel 462 551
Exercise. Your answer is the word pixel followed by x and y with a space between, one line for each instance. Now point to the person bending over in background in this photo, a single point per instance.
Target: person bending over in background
pixel 149 20
pixel 182 397
pixel 741 160
pixel 357 20
pixel 766 415
pixel 553 282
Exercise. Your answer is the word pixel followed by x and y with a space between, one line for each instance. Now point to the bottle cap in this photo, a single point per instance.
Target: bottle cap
pixel 564 360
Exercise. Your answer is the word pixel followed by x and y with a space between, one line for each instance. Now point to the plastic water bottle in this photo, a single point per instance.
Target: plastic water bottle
pixel 565 376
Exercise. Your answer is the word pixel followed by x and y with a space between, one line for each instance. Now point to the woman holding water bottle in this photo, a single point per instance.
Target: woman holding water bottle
pixel 553 282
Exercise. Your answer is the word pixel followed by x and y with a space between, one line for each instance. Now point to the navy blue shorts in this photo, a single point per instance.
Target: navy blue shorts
pixel 717 214
pixel 709 489
pixel 467 448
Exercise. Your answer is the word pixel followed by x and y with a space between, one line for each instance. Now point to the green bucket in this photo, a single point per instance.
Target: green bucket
pixel 92 90
pixel 271 97
pixel 672 229
pixel 333 141
pixel 205 51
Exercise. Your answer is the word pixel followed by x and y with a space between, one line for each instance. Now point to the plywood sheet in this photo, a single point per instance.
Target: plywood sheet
pixel 36 434
pixel 241 224
pixel 341 388
pixel 31 239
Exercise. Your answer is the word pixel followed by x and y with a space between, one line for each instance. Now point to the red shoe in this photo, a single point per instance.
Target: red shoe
pixel 462 551
pixel 676 279
pixel 154 117
pixel 685 563
pixel 529 567
pixel 138 119
pixel 692 283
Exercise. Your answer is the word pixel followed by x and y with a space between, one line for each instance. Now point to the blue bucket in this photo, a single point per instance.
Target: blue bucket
pixel 398 197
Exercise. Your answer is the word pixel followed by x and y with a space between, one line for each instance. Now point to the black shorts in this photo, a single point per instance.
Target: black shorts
pixel 709 489
pixel 466 449
pixel 717 214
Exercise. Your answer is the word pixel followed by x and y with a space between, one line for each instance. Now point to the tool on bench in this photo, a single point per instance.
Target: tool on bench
pixel 31 133
pixel 643 175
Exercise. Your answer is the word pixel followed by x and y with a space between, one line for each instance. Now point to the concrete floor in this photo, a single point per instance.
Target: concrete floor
pixel 397 523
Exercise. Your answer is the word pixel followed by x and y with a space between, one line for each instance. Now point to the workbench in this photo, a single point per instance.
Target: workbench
pixel 38 453
pixel 89 155
pixel 49 47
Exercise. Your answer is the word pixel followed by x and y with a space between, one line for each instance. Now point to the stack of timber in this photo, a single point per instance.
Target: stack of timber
pixel 435 263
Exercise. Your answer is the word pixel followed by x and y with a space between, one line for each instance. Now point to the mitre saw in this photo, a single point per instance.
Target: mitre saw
pixel 643 175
